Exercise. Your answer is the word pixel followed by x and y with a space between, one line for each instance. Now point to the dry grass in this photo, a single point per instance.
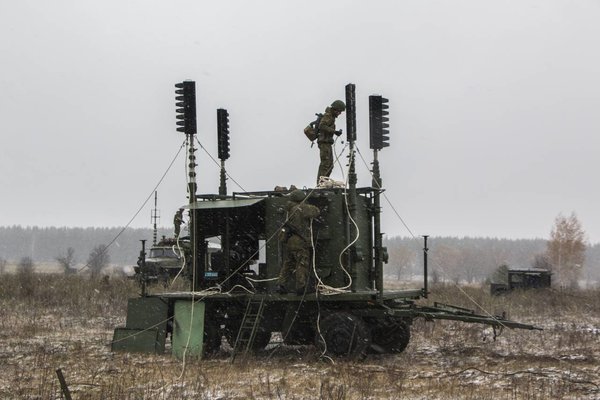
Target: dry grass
pixel 67 323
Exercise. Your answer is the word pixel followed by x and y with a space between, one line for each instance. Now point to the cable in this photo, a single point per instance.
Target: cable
pixel 338 156
pixel 293 320
pixel 139 209
pixel 440 267
pixel 190 148
pixel 182 256
pixel 384 194
pixel 276 232
pixel 140 332
pixel 322 287
pixel 437 262
pixel 219 165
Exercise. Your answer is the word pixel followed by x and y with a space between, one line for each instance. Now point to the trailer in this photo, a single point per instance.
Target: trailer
pixel 344 309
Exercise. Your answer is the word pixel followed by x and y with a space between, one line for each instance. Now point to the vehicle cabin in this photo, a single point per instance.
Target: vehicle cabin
pixel 248 227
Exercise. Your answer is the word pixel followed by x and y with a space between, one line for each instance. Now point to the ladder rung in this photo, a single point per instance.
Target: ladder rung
pixel 248 327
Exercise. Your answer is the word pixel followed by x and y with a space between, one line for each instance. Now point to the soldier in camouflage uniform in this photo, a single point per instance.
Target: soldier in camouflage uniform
pixel 177 221
pixel 325 140
pixel 297 243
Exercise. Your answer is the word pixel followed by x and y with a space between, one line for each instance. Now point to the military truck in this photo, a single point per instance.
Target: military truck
pixel 344 310
pixel 164 260
pixel 522 278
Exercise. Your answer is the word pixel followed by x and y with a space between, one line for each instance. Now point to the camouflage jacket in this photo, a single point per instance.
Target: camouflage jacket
pixel 299 224
pixel 327 127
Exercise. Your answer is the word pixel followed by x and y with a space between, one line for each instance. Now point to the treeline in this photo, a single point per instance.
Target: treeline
pixel 450 258
pixel 46 244
pixel 471 259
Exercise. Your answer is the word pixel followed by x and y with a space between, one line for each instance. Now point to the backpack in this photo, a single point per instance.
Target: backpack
pixel 312 130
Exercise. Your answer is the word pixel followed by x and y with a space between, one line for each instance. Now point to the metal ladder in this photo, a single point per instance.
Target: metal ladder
pixel 248 327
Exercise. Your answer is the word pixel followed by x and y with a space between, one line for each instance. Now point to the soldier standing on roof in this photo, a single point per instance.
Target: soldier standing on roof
pixel 325 140
pixel 297 242
pixel 177 221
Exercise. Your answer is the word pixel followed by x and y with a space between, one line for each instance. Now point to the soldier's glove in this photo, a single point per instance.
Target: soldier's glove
pixel 338 132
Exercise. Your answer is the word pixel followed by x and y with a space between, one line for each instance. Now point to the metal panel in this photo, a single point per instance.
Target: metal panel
pixel 217 204
pixel 149 313
pixel 134 340
pixel 188 329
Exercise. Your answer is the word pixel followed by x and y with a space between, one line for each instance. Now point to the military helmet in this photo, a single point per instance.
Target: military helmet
pixel 338 105
pixel 297 195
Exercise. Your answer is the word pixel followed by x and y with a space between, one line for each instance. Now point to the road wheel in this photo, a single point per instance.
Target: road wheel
pixel 343 334
pixel 390 335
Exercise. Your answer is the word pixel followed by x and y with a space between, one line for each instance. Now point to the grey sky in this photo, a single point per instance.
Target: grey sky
pixel 493 105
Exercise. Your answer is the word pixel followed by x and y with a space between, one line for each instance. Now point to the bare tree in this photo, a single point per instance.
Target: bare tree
pixel 541 261
pixel 26 277
pixel 67 261
pixel 500 275
pixel 447 261
pixel 401 258
pixel 26 265
pixel 3 263
pixel 98 259
pixel 566 249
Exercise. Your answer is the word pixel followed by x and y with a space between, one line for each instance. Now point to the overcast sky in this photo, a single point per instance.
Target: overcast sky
pixel 494 106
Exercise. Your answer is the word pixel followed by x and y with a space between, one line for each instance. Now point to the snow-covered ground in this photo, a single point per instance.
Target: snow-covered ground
pixel 444 360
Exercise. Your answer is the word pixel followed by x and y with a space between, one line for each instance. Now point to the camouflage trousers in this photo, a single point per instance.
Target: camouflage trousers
pixel 297 263
pixel 326 165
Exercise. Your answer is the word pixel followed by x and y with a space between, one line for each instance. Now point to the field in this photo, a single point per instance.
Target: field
pixel 51 321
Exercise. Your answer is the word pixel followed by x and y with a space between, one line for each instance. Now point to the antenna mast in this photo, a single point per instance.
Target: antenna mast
pixel 378 139
pixel 154 217
pixel 352 179
pixel 223 146
pixel 186 115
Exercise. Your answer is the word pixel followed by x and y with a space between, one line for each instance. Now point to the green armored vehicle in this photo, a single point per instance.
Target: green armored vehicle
pixel 234 291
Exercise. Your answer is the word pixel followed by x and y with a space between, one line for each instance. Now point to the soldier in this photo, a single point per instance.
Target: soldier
pixel 297 243
pixel 177 221
pixel 325 140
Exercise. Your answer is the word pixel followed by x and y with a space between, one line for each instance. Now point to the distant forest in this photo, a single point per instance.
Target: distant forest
pixel 472 259
pixel 45 244
pixel 450 258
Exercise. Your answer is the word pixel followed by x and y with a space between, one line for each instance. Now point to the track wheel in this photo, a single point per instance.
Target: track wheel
pixel 390 335
pixel 343 334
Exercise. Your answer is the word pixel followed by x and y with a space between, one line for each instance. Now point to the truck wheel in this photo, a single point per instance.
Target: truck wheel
pixel 343 334
pixel 390 335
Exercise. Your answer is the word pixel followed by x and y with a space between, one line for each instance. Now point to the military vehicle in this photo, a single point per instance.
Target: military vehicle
pixel 345 311
pixel 164 260
pixel 522 278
